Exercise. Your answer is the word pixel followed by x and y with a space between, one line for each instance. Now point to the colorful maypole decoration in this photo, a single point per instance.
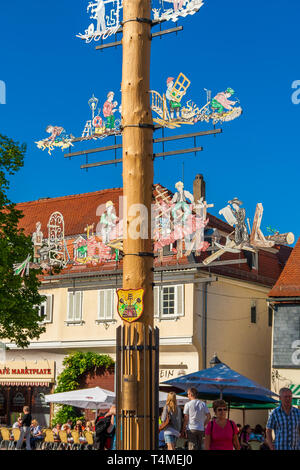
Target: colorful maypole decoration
pixel 107 15
pixel 242 238
pixel 173 113
pixel 58 138
pixel 172 10
pixel 98 127
pixel 180 224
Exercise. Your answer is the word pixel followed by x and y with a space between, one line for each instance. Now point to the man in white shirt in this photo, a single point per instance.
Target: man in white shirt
pixel 196 417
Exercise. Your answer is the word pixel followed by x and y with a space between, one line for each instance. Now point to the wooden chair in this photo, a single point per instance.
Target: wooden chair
pixel 89 436
pixel 7 440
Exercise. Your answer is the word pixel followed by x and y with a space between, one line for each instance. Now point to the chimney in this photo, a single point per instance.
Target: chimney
pixel 199 187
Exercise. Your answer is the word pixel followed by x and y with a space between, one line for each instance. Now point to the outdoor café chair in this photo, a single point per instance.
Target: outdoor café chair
pixel 64 443
pixel 16 436
pixel 49 442
pixel 89 440
pixel 7 441
pixel 76 441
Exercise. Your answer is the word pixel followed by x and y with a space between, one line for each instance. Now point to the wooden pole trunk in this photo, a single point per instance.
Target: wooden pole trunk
pixel 137 189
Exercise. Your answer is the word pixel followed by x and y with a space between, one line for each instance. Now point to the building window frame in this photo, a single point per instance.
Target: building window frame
pixel 179 302
pixel 108 315
pixel 47 306
pixel 75 317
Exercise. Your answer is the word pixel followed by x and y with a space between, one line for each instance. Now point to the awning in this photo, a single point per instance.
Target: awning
pixel 31 383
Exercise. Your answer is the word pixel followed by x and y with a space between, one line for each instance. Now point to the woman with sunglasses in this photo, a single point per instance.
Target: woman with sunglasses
pixel 221 433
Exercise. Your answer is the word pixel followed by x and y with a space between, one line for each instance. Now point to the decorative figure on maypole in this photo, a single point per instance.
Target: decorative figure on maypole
pixel 37 240
pixel 108 222
pixel 219 109
pixel 181 210
pixel 109 108
pixel 58 138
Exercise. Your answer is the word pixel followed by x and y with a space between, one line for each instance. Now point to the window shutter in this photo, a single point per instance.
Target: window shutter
pixel 156 301
pixel 180 300
pixel 49 307
pixel 78 306
pixel 70 306
pixel 109 303
pixel 101 311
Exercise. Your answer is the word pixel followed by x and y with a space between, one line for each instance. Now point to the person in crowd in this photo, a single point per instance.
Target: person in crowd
pixel 239 426
pixel 69 423
pixel 102 422
pixel 284 421
pixel 171 421
pixel 25 429
pixel 56 430
pixel 18 423
pixel 89 426
pixel 221 433
pixel 110 432
pixel 257 434
pixel 196 417
pixel 245 436
pixel 36 434
pixel 66 427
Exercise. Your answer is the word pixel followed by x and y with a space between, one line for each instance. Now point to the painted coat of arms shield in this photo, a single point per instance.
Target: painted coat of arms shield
pixel 130 304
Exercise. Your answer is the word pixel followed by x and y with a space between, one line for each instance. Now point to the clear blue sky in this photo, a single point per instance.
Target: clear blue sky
pixel 250 46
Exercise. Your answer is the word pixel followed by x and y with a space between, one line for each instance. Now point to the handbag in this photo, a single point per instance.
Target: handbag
pixel 163 425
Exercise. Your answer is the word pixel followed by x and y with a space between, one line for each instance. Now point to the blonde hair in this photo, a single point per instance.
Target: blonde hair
pixel 34 422
pixel 171 402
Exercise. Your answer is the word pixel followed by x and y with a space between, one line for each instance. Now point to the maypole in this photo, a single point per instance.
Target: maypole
pixel 137 128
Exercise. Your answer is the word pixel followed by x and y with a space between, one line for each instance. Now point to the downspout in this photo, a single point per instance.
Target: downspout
pixel 204 326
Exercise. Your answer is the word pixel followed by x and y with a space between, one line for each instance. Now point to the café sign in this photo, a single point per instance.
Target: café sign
pixel 13 370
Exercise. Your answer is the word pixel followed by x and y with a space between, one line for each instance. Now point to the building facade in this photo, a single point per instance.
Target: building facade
pixel 285 302
pixel 200 310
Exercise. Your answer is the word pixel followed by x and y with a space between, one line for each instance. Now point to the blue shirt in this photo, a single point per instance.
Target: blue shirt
pixel 286 428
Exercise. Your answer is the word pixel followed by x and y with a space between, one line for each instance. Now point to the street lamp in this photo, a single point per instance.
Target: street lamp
pixel 93 103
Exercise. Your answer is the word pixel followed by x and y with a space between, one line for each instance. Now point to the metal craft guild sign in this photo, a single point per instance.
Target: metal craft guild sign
pixel 130 304
pixel 107 15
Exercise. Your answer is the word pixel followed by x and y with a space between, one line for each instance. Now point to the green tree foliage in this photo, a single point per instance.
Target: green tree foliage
pixel 19 296
pixel 77 365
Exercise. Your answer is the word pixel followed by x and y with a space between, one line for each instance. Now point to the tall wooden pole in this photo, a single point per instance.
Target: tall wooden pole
pixel 137 189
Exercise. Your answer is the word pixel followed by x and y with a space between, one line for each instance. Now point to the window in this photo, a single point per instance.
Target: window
pixel 169 301
pixel 45 309
pixel 253 313
pixel 106 305
pixel 74 314
pixel 270 316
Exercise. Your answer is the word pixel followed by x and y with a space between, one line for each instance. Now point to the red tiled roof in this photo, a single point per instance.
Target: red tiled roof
pixel 78 211
pixel 288 283
pixel 83 209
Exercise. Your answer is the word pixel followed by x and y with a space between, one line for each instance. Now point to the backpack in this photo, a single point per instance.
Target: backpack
pixel 102 425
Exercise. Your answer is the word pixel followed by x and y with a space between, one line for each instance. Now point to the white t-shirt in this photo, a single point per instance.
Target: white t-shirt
pixel 196 411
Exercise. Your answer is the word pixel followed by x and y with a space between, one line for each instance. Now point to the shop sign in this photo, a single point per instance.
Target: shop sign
pixel 20 370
